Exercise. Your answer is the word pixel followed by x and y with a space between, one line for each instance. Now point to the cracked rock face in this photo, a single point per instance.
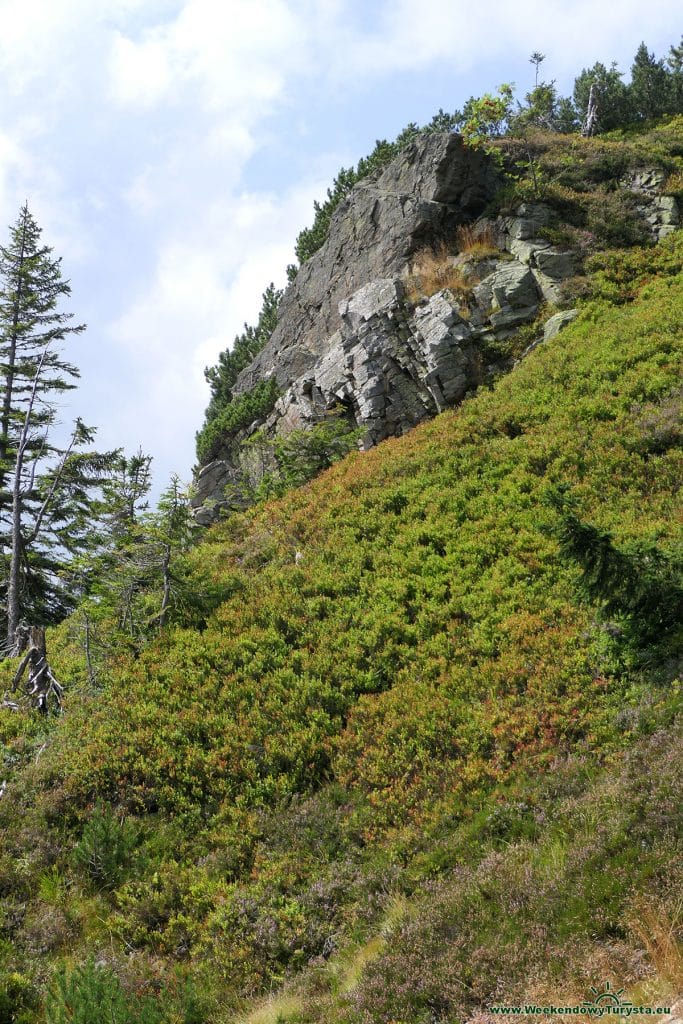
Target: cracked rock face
pixel 431 187
pixel 659 212
pixel 390 366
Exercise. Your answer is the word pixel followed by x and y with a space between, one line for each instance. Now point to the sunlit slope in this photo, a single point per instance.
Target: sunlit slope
pixel 405 624
pixel 394 653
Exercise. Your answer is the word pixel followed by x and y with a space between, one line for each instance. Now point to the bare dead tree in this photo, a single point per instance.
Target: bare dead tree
pixel 591 120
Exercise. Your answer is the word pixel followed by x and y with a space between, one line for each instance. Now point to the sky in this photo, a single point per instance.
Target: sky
pixel 171 150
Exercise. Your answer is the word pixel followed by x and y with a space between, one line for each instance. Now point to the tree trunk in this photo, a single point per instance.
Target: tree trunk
pixel 11 360
pixel 591 122
pixel 16 546
pixel 14 582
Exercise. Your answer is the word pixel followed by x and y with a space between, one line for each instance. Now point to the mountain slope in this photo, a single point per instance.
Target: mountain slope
pixel 386 679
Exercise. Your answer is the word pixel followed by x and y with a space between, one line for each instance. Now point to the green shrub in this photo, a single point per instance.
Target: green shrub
pixel 18 998
pixel 106 847
pixel 302 454
pixel 639 582
pixel 236 415
pixel 92 994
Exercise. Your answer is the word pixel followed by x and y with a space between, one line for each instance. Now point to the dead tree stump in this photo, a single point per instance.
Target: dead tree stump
pixel 41 683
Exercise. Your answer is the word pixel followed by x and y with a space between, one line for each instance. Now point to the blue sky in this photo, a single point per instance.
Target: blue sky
pixel 172 149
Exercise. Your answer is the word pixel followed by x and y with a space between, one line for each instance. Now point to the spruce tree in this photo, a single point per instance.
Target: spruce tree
pixel 675 63
pixel 128 579
pixel 46 485
pixel 651 91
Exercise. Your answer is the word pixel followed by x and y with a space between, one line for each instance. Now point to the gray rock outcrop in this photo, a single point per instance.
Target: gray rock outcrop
pixel 507 297
pixel 521 237
pixel 389 367
pixel 659 212
pixel 434 185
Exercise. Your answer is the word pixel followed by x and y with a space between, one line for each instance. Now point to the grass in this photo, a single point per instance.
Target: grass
pixel 659 930
pixel 275 1010
pixel 476 240
pixel 433 270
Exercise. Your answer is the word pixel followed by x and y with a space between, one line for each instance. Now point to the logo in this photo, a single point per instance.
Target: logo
pixel 607 1002
pixel 609 998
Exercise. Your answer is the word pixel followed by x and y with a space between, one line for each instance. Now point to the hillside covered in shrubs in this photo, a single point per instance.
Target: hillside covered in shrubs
pixel 404 742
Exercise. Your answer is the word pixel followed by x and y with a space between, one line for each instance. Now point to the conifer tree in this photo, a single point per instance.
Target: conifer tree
pixel 46 485
pixel 650 85
pixel 127 579
pixel 675 63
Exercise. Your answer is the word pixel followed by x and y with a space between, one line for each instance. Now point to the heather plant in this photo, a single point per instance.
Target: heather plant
pixel 513 925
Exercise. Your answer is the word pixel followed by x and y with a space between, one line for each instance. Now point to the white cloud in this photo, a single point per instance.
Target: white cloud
pixel 413 36
pixel 141 74
pixel 235 55
pixel 190 169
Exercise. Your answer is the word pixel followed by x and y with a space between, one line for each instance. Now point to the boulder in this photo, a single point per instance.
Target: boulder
pixel 558 323
pixel 667 209
pixel 525 251
pixel 510 287
pixel 529 219
pixel 555 263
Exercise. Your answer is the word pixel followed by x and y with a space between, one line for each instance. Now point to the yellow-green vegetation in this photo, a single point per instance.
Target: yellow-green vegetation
pixel 388 704
pixel 417 706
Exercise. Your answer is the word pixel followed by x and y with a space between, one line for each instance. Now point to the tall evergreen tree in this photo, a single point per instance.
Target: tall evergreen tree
pixel 675 62
pixel 46 486
pixel 650 86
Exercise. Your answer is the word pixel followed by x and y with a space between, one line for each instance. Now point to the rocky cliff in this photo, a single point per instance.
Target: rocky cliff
pixel 353 335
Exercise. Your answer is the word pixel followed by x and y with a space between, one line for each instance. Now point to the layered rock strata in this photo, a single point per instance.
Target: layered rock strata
pixel 434 185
